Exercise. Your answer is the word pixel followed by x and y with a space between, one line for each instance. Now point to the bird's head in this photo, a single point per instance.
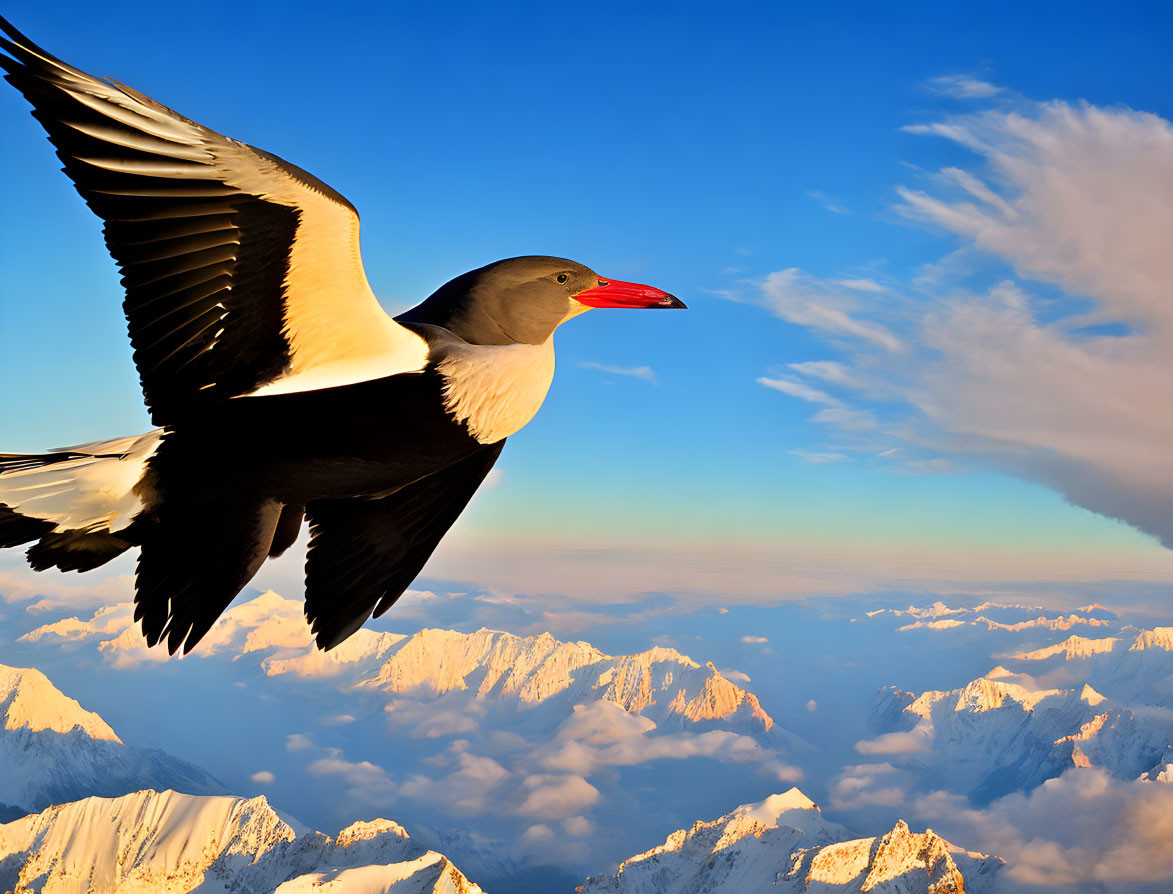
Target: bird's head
pixel 523 300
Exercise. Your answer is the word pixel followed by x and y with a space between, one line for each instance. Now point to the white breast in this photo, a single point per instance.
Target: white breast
pixel 496 389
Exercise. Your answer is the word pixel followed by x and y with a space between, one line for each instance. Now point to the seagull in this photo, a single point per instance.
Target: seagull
pixel 281 389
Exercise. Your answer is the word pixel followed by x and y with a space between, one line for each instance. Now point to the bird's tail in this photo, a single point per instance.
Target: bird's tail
pixel 78 503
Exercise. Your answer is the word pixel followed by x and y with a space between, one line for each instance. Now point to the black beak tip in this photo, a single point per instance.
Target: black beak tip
pixel 671 302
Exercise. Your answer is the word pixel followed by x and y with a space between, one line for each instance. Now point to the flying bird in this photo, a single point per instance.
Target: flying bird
pixel 281 389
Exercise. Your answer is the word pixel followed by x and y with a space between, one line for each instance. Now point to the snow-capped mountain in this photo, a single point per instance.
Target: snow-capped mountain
pixel 660 684
pixel 493 666
pixel 168 843
pixel 784 843
pixel 997 735
pixel 53 750
pixel 1135 666
pixel 996 616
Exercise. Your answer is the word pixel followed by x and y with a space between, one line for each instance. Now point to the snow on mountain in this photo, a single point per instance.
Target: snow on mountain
pixel 996 616
pixel 29 701
pixel 1072 647
pixel 994 736
pixel 1056 623
pixel 168 843
pixel 784 843
pixel 53 750
pixel 1159 638
pixel 660 684
pixel 1134 666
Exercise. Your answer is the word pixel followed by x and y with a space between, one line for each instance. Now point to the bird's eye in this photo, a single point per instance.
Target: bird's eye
pixel 562 277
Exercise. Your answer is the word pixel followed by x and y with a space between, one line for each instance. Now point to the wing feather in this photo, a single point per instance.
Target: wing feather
pixel 364 553
pixel 241 270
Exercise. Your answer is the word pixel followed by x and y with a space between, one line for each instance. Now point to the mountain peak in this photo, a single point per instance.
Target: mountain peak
pixel 768 811
pixel 29 701
pixel 365 830
pixel 874 864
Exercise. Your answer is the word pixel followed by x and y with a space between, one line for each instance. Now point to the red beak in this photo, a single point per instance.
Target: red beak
pixel 613 293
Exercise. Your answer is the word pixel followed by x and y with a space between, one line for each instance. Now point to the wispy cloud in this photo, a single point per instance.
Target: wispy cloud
pixel 831 204
pixel 1071 195
pixel 634 372
pixel 962 86
pixel 818 458
pixel 824 306
pixel 799 390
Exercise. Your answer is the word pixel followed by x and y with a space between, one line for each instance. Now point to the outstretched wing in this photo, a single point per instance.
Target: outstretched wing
pixel 364 553
pixel 240 269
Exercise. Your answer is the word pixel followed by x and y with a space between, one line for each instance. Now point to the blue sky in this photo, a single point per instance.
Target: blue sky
pixel 702 149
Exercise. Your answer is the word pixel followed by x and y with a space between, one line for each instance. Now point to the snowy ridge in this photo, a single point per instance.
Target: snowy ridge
pixel 166 843
pixel 1157 638
pixel 993 736
pixel 784 843
pixel 1072 647
pixel 1133 666
pixel 53 750
pixel 661 684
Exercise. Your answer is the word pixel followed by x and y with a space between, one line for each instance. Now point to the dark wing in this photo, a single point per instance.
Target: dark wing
pixel 240 269
pixel 364 553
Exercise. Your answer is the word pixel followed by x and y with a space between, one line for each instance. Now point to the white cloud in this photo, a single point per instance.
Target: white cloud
pixel 869 785
pixel 436 718
pixel 819 458
pixel 601 734
pixel 298 742
pixel 848 420
pixel 812 706
pixel 467 788
pixel 556 797
pixel 1073 196
pixel 578 826
pixel 634 372
pixel 830 371
pixel 538 832
pixel 1082 828
pixel 367 782
pixel 755 639
pixel 893 743
pixel 263 777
